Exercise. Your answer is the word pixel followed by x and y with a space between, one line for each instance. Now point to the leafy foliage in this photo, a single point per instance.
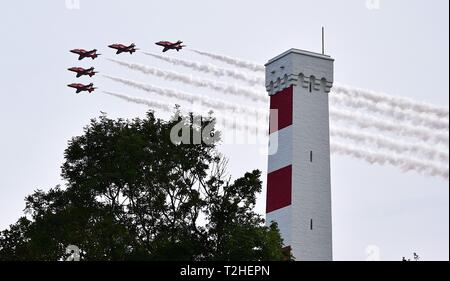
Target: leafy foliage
pixel 133 194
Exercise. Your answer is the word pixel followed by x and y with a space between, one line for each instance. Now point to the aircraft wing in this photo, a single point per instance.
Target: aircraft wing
pixel 166 49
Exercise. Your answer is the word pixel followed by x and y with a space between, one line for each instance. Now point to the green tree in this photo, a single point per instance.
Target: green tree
pixel 132 193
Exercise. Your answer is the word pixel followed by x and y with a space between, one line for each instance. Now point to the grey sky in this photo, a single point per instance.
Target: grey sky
pixel 401 48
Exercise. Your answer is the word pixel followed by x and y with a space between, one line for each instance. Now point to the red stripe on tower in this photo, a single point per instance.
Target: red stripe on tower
pixel 279 189
pixel 281 101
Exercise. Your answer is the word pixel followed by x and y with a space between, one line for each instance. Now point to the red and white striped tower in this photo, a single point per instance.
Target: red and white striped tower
pixel 298 180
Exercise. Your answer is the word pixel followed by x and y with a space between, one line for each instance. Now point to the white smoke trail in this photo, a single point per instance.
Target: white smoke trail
pixel 216 104
pixel 391 127
pixel 406 156
pixel 233 61
pixel 212 69
pixel 416 151
pixel 174 76
pixel 404 163
pixel 393 101
pixel 397 129
pixel 394 104
pixel 222 120
pixel 153 104
pixel 220 106
pixel 418 119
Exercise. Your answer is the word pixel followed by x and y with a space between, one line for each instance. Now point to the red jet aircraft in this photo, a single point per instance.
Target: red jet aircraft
pixel 81 71
pixel 171 46
pixel 80 87
pixel 124 49
pixel 85 54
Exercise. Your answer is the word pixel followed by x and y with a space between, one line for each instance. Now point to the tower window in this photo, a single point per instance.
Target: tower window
pixel 311 224
pixel 310 156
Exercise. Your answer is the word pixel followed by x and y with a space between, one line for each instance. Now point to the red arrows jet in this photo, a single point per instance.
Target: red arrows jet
pixel 81 71
pixel 80 87
pixel 124 49
pixel 171 46
pixel 85 54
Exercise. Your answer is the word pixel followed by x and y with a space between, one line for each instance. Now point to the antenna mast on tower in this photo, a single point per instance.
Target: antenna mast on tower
pixel 323 40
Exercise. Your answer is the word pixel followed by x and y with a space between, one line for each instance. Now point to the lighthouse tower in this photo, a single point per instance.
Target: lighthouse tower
pixel 298 180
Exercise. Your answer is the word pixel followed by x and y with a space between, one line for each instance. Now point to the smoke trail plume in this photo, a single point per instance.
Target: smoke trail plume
pixel 215 70
pixel 418 119
pixel 222 120
pixel 233 61
pixel 186 79
pixel 419 113
pixel 416 151
pixel 216 104
pixel 397 114
pixel 397 129
pixel 404 163
pixel 221 106
pixel 153 104
pixel 393 101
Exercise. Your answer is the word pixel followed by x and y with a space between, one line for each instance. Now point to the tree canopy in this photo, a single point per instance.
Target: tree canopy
pixel 133 193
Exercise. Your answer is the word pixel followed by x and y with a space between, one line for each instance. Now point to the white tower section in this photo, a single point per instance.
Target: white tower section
pixel 298 184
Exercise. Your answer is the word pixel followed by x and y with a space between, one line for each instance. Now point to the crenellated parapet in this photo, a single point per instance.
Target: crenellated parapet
pixel 299 68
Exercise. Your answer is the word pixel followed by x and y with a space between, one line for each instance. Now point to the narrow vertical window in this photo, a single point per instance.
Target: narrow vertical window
pixel 310 156
pixel 311 224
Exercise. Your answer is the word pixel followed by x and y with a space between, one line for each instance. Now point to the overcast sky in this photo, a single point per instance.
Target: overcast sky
pixel 400 47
